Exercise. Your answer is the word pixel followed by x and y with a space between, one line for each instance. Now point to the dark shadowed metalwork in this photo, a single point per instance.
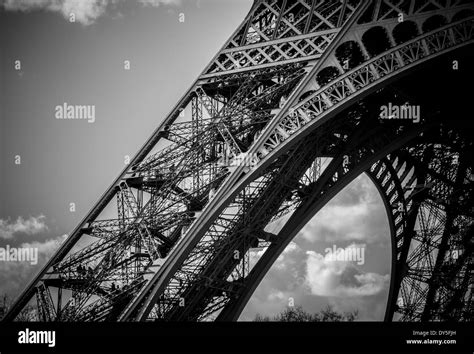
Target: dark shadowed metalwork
pixel 297 90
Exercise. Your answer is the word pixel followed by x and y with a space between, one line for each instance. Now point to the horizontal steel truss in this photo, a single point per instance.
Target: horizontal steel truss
pixel 281 51
pixel 381 10
pixel 362 79
pixel 277 32
pixel 258 43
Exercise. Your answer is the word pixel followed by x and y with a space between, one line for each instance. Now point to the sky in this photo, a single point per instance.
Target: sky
pixel 47 163
pixel 304 273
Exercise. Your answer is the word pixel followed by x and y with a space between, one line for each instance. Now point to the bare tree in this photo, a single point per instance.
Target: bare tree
pixel 297 314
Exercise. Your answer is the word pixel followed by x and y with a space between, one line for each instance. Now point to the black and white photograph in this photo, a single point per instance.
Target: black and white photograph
pixel 276 175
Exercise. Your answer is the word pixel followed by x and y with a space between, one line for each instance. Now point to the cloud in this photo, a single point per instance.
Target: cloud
pixel 156 3
pixel 313 280
pixel 357 213
pixel 30 226
pixel 14 276
pixel 326 277
pixel 47 247
pixel 86 12
pixel 284 280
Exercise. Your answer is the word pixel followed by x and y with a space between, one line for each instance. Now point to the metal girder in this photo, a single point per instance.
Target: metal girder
pixel 184 219
pixel 381 10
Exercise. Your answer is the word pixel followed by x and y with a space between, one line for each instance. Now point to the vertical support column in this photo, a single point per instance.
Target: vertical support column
pixel 196 126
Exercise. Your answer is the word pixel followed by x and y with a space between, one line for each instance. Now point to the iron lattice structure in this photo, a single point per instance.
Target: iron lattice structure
pixel 298 88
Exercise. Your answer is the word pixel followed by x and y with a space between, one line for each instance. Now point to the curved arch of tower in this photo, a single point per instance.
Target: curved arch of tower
pixel 295 93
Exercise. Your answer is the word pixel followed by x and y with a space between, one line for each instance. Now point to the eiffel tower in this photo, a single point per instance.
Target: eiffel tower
pixel 283 117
